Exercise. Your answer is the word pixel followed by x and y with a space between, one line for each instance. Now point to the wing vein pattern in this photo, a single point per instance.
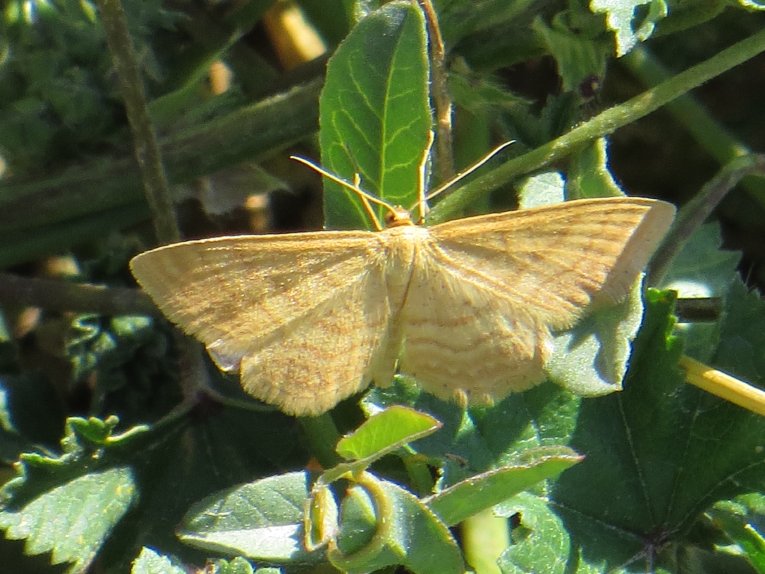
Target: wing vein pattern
pixel 468 306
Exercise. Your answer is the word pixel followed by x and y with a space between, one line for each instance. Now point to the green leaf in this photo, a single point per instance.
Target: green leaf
pixel 459 18
pixel 385 525
pixel 151 562
pixel 386 431
pixel 68 505
pixel 637 494
pixel 588 174
pixel 741 335
pixel 87 445
pixel 459 443
pixel 239 566
pixel 164 462
pixel 545 188
pixel 382 433
pixel 658 454
pixel 94 432
pixel 481 439
pixel 262 520
pixel 484 490
pixel 540 538
pixel 177 469
pixel 105 343
pixel 621 18
pixel 577 56
pixel 484 538
pixel 740 520
pixel 374 113
pixel 71 521
pixel 591 358
pixel 702 269
pixel 479 93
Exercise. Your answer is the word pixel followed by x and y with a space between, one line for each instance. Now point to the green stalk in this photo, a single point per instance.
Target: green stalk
pixel 710 134
pixel 599 126
pixel 145 146
pixel 322 436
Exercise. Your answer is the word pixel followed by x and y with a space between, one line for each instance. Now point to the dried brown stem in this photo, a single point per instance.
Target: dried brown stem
pixel 58 295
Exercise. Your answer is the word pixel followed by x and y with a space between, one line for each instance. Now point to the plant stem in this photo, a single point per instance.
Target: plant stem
pixel 322 435
pixel 419 474
pixel 707 131
pixel 145 146
pixel 59 295
pixel 248 133
pixel 695 212
pixel 603 124
pixel 444 157
pixel 723 385
pixel 36 242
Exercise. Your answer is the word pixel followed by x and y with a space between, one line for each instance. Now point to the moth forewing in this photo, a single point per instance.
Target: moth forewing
pixel 637 251
pixel 554 260
pixel 256 302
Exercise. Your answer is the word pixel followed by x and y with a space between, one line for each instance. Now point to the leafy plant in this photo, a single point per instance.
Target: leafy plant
pixel 659 477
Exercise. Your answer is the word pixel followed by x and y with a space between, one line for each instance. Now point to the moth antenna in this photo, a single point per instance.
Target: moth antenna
pixel 354 187
pixel 365 202
pixel 470 169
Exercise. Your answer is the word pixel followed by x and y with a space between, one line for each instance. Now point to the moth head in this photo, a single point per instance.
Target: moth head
pixel 397 216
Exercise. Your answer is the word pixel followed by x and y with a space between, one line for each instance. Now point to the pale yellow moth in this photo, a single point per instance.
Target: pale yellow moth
pixel 465 307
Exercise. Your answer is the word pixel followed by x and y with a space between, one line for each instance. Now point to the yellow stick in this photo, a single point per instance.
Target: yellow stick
pixel 723 386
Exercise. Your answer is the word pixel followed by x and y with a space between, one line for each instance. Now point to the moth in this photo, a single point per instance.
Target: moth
pixel 466 307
